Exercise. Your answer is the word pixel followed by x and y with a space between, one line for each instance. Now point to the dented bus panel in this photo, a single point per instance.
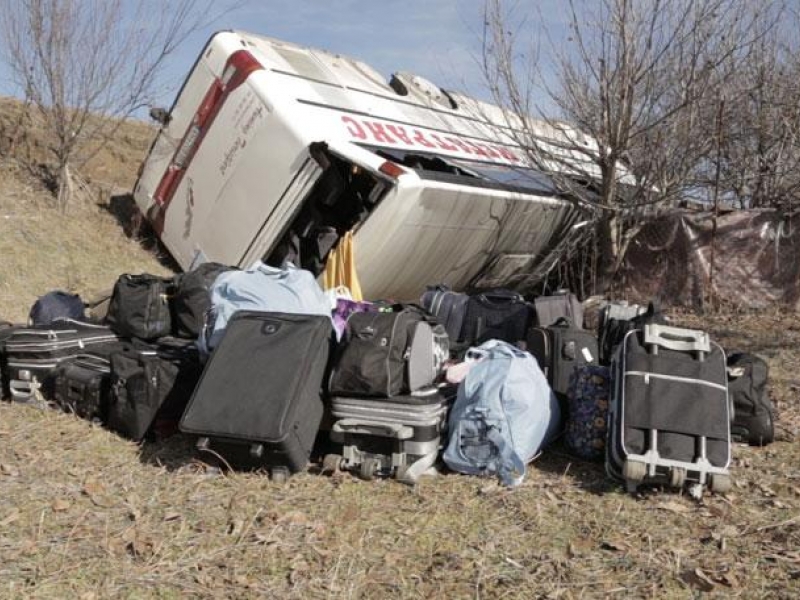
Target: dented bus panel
pixel 272 151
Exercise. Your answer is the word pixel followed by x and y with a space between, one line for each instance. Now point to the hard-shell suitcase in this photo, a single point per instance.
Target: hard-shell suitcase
pixel 82 386
pixel 669 419
pixel 32 354
pixel 259 400
pixel 559 349
pixel 398 437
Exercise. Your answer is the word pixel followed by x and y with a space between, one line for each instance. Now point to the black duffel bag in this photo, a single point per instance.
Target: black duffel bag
pixel 753 414
pixel 140 306
pixel 192 299
pixel 150 386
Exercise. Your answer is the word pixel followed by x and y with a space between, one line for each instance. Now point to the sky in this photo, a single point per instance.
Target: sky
pixel 438 39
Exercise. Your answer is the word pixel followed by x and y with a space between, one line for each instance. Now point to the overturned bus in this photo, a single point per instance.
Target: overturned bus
pixel 273 151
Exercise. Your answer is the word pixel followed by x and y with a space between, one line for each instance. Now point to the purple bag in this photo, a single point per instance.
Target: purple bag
pixel 345 308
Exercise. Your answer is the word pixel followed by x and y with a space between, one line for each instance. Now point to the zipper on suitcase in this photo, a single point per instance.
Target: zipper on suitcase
pixel 647 375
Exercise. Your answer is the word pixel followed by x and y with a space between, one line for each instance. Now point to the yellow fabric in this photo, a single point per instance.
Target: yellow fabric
pixel 340 268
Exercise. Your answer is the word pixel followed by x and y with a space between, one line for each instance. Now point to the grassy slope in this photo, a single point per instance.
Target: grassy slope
pixel 89 515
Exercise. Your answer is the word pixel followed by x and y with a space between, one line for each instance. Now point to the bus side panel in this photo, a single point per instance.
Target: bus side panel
pixel 443 234
pixel 255 181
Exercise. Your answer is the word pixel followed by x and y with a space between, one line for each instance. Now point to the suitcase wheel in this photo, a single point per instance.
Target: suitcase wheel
pixel 279 475
pixel 331 463
pixel 634 471
pixel 677 477
pixel 369 468
pixel 719 483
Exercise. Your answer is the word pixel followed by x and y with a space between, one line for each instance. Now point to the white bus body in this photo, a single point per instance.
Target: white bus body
pixel 271 146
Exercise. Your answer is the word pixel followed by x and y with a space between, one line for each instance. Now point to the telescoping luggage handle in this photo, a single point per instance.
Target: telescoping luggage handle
pixel 676 338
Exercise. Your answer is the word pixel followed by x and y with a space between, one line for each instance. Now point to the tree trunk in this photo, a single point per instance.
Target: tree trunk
pixel 64 186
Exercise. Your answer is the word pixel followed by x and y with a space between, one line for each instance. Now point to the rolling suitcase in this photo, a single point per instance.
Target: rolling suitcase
pixel 32 355
pixel 259 400
pixel 398 437
pixel 669 419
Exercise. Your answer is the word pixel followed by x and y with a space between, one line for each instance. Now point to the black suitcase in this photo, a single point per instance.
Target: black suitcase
pixel 32 354
pixel 669 417
pixel 496 314
pixel 259 400
pixel 559 349
pixel 82 386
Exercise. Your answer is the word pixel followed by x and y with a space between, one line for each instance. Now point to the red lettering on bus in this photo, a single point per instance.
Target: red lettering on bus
pixel 400 134
pixel 488 150
pixel 379 132
pixel 442 144
pixel 419 138
pixel 507 154
pixel 465 147
pixel 354 128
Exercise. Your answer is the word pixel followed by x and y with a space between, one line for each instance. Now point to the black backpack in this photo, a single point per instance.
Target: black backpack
pixel 386 354
pixel 140 306
pixel 192 299
pixel 747 388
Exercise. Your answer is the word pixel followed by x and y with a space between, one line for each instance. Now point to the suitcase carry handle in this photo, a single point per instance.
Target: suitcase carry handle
pixel 500 297
pixel 92 360
pixel 677 338
pixel 391 430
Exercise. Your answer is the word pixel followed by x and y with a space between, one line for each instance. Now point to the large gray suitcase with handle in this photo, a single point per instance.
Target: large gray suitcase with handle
pixel 669 418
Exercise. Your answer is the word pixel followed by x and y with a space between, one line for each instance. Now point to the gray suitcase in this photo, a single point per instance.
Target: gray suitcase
pixel 398 437
pixel 669 417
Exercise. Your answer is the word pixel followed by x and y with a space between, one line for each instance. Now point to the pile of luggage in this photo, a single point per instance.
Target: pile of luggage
pixel 263 366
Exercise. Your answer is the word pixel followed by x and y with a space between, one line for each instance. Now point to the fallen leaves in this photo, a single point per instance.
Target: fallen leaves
pixel 97 493
pixel 9 470
pixel 697 578
pixel 60 505
pixel 675 507
pixel 10 518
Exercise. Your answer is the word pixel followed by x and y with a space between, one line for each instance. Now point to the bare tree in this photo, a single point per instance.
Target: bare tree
pixel 86 64
pixel 620 129
pixel 759 159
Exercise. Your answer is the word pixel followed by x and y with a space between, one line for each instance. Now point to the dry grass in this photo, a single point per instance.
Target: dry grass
pixel 86 514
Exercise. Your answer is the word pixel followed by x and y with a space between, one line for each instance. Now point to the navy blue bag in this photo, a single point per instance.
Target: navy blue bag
pixel 55 306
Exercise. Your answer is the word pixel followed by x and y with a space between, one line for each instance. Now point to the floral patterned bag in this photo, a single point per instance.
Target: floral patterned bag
pixel 587 424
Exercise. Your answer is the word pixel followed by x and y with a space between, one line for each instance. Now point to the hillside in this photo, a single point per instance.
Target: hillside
pixel 88 515
pixel 81 251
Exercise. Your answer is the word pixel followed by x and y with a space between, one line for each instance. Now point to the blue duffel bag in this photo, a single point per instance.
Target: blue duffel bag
pixel 504 414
